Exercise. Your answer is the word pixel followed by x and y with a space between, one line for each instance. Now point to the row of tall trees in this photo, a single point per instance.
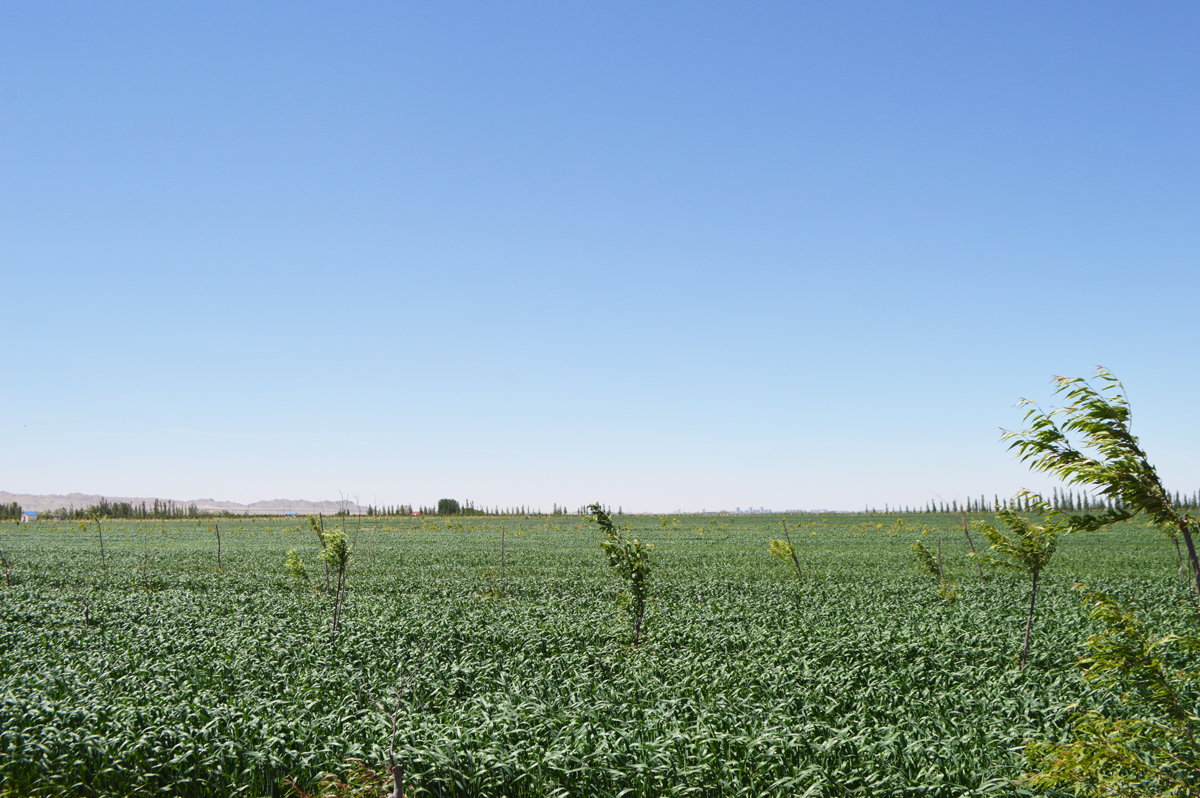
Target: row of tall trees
pixel 1060 499
pixel 390 509
pixel 160 509
pixel 10 512
pixel 454 507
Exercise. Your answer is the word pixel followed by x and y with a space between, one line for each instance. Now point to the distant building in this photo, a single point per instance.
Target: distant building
pixel 27 517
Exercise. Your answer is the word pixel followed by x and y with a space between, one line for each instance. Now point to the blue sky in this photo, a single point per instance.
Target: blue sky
pixel 667 256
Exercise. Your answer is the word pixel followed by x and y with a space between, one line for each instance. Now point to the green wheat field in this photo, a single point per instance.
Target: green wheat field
pixel 154 673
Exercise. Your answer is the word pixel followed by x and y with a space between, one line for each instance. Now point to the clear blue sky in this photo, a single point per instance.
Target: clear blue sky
pixel 667 255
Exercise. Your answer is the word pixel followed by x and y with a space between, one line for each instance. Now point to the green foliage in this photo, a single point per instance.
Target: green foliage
pixel 1119 470
pixel 448 507
pixel 295 565
pixel 926 559
pixel 128 510
pixel 932 563
pixel 782 550
pixel 336 552
pixel 1146 744
pixel 630 558
pixel 1026 547
pixel 1151 747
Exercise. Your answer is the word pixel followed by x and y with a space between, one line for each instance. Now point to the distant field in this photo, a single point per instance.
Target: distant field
pixel 857 680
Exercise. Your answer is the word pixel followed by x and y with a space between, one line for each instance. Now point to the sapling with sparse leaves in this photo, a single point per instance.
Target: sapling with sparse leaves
pixel 396 770
pixel 970 542
pixel 629 557
pixel 1026 547
pixel 784 550
pixel 98 518
pixel 360 779
pixel 318 526
pixel 336 555
pixel 927 561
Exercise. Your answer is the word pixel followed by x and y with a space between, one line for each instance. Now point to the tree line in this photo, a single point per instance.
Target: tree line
pixel 390 509
pixel 1060 499
pixel 158 510
pixel 455 507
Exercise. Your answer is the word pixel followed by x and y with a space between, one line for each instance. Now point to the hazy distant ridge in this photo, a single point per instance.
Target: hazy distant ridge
pixel 53 501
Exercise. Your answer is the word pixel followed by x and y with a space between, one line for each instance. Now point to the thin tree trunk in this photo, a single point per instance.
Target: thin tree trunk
pixel 1185 528
pixel 337 602
pixel 397 772
pixel 321 535
pixel 100 529
pixel 1029 621
pixel 792 550
pixel 971 543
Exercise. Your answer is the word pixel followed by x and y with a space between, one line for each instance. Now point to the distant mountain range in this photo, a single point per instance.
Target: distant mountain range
pixel 53 501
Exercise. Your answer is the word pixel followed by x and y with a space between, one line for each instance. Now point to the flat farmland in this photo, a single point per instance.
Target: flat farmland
pixel 153 673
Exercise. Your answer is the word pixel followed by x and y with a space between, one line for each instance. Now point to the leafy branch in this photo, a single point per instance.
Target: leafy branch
pixel 1119 469
pixel 1152 749
pixel 784 550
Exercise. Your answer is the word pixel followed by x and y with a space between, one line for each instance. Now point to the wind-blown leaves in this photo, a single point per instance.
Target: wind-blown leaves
pixel 1117 468
pixel 1150 747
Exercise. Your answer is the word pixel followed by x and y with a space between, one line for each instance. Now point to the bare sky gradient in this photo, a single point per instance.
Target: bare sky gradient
pixel 668 256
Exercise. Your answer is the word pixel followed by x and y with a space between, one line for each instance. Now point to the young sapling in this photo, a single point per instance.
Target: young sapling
pixel 336 555
pixel 784 550
pixel 1026 547
pixel 319 529
pixel 927 561
pixel 970 542
pixel 97 517
pixel 629 557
